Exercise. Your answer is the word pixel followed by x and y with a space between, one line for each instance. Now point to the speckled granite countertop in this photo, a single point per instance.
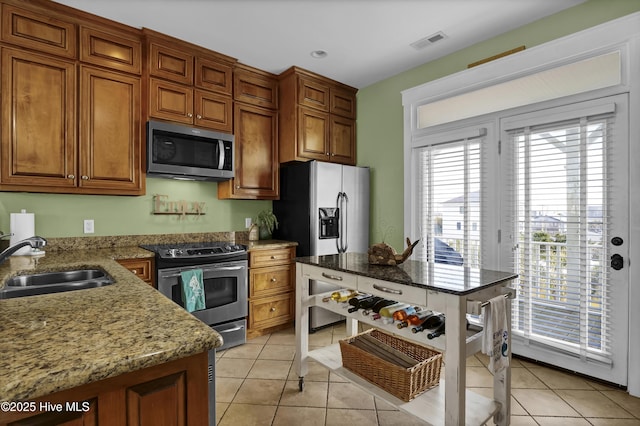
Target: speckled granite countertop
pixel 438 277
pixel 266 244
pixel 59 341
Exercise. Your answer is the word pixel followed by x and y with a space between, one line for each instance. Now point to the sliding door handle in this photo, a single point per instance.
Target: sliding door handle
pixel 617 262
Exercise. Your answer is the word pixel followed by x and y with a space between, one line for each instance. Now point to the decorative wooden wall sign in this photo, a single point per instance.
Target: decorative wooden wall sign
pixel 162 205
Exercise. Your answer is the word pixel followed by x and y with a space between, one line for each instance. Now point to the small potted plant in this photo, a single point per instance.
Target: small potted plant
pixel 266 222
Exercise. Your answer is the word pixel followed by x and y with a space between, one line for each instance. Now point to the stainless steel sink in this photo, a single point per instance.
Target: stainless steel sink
pixel 54 282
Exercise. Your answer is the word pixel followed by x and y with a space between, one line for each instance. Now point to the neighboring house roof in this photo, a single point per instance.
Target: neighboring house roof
pixel 474 197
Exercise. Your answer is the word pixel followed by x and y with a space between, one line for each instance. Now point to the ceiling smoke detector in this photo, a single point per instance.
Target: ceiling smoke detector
pixel 319 54
pixel 429 40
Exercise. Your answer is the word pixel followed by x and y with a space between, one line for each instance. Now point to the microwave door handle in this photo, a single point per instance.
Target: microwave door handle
pixel 220 154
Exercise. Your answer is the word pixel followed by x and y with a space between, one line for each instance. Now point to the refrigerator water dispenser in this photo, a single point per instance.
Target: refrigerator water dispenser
pixel 329 222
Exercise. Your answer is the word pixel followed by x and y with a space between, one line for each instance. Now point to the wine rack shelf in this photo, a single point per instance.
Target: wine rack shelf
pixel 473 338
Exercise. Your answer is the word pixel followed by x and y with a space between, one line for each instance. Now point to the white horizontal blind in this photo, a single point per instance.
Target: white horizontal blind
pixel 449 184
pixel 561 224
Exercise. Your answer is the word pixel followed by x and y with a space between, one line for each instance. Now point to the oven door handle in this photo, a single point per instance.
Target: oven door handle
pixel 239 327
pixel 225 268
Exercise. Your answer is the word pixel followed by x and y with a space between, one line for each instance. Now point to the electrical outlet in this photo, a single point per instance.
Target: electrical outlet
pixel 88 226
pixel 247 222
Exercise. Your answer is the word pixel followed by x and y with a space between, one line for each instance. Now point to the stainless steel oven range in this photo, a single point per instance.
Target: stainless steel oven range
pixel 224 271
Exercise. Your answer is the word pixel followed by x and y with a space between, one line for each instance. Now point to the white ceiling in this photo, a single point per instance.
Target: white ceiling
pixel 366 40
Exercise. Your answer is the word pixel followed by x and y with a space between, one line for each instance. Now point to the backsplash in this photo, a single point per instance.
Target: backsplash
pixel 88 243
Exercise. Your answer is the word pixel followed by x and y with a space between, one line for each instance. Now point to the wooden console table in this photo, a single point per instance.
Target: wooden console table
pixel 450 289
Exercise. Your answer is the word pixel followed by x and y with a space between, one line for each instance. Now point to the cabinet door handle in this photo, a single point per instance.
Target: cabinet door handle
pixel 274 279
pixel 71 177
pixel 83 177
pixel 190 115
pixel 387 290
pixel 273 309
pixel 332 277
pixel 198 116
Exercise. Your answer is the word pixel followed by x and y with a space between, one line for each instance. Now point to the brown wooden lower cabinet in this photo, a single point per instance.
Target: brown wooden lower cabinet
pixel 141 267
pixel 271 290
pixel 175 393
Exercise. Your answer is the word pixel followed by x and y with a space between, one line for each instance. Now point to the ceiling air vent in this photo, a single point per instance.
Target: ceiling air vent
pixel 429 40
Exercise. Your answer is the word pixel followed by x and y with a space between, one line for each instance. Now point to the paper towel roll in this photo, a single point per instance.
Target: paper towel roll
pixel 22 226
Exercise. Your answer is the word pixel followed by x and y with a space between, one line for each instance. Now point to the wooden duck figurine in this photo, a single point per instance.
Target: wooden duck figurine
pixel 384 254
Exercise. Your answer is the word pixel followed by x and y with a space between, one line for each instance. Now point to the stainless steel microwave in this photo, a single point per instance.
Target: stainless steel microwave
pixel 183 152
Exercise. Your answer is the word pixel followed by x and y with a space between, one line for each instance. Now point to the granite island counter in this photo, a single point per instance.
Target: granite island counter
pixel 56 342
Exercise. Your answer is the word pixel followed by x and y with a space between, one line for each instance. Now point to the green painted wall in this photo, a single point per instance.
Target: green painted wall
pixel 61 215
pixel 380 114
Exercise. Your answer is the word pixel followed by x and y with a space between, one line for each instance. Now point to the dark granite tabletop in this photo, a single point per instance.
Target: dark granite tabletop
pixel 453 279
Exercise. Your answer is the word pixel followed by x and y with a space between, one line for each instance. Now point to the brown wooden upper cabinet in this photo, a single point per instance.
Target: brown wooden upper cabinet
pixel 189 84
pixel 317 118
pixel 71 102
pixel 256 137
pixel 35 30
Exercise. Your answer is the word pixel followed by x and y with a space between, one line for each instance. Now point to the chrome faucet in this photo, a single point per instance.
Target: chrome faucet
pixel 34 242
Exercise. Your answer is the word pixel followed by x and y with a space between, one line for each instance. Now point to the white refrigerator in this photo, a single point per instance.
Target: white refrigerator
pixel 325 208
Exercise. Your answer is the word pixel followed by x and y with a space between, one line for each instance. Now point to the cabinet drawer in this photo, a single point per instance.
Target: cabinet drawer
pixel 34 31
pixel 111 50
pixel 270 280
pixel 398 292
pixel 258 258
pixel 338 278
pixel 139 267
pixel 313 94
pixel 271 311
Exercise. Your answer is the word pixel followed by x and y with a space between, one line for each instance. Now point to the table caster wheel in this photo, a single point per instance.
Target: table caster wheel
pixel 301 384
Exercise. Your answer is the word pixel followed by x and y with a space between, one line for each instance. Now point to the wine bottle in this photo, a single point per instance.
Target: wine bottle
pixel 432 321
pixel 402 314
pixel 438 331
pixel 386 313
pixel 341 295
pixel 415 319
pixel 378 305
pixel 363 303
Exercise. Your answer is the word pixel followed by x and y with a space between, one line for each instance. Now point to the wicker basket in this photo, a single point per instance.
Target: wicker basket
pixel 404 383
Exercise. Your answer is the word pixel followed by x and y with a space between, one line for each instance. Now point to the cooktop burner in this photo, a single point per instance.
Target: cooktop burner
pixel 196 250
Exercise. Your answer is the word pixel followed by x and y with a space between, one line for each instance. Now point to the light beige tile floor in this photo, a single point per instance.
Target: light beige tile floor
pixel 256 385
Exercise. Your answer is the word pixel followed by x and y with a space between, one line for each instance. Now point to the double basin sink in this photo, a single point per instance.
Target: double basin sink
pixel 54 282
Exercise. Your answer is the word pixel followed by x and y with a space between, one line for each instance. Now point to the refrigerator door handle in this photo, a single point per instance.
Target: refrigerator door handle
pixel 345 244
pixel 339 239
